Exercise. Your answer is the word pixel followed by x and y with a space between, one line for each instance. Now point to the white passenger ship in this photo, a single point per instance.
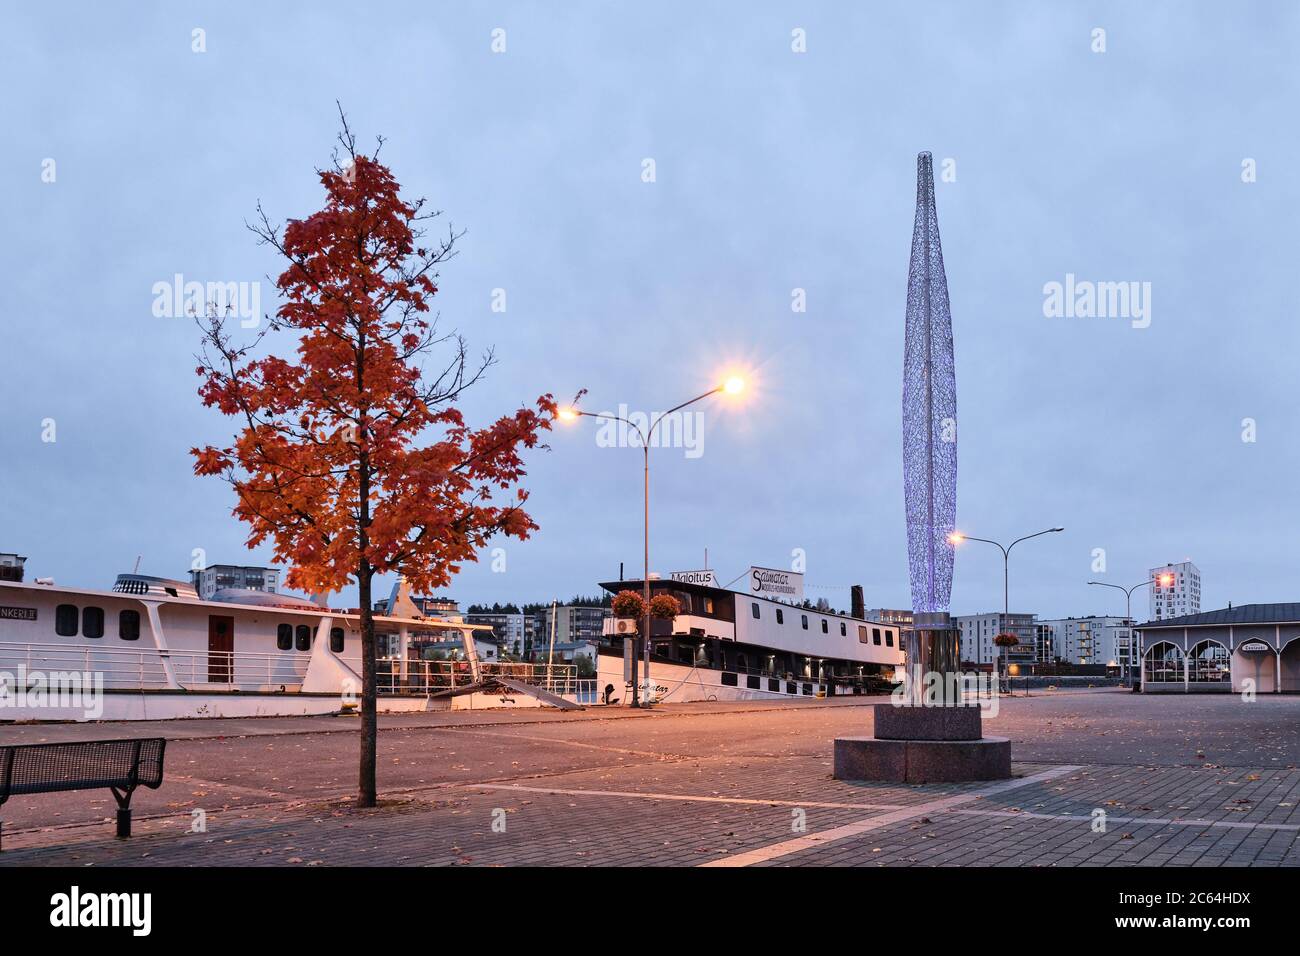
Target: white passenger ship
pixel 732 645
pixel 159 651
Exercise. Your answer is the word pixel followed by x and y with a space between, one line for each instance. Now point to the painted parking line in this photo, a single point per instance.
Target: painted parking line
pixel 1135 821
pixel 849 830
pixel 683 797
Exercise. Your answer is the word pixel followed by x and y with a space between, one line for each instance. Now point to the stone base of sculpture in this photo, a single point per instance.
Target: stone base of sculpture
pixel 933 735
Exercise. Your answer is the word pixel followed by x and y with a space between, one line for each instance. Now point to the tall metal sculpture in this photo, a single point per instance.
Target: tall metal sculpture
pixel 929 443
pixel 925 735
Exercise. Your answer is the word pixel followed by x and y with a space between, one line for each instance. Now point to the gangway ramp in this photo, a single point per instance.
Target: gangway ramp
pixel 545 696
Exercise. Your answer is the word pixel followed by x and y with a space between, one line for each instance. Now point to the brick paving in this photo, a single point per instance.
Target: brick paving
pixel 1181 782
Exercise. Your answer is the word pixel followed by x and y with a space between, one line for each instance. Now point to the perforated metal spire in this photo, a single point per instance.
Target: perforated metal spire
pixel 929 409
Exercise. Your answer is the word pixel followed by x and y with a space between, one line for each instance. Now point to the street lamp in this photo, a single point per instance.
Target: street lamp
pixel 1128 612
pixel 957 538
pixel 733 385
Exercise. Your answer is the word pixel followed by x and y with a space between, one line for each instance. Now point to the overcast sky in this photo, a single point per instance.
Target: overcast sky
pixel 774 171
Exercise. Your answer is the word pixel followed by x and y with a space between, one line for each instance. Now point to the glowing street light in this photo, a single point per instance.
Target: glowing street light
pixel 732 386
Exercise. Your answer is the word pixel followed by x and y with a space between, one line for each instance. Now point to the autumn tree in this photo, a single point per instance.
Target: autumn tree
pixel 350 457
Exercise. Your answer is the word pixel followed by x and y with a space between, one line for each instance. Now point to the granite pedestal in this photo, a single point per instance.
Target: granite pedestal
pixel 917 744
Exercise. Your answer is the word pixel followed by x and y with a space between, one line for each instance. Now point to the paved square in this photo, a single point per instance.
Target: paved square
pixel 1104 778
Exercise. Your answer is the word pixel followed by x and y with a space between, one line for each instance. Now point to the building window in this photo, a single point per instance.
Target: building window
pixel 336 640
pixel 780 616
pixel 67 620
pixel 862 634
pixel 754 609
pixel 128 625
pixel 875 636
pixel 1209 664
pixel 805 621
pixel 303 637
pixel 92 622
pixel 1163 664
pixel 825 626
pixel 844 630
pixel 284 637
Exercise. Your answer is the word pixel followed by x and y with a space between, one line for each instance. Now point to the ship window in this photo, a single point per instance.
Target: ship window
pixel 66 620
pixel 780 616
pixel 336 640
pixel 303 637
pixel 862 634
pixel 92 622
pixel 889 638
pixel 875 636
pixel 805 621
pixel 284 637
pixel 844 631
pixel 128 625
pixel 826 629
pixel 754 608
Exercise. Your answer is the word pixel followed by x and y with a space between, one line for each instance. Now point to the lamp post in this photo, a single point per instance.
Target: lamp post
pixel 731 386
pixel 957 538
pixel 1128 615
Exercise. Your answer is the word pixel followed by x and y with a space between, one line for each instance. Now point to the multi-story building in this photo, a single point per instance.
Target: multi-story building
pixel 1044 643
pixel 573 623
pixel 510 628
pixel 1092 640
pixel 11 567
pixel 885 615
pixel 1175 591
pixel 439 608
pixel 977 631
pixel 217 577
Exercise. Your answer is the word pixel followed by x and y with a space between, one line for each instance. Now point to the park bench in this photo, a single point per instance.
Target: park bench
pixel 119 765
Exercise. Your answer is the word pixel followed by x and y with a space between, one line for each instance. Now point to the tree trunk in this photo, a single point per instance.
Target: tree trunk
pixel 369 722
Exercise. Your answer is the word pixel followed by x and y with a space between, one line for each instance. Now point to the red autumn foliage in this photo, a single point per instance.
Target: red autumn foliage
pixel 348 458
pixel 628 604
pixel 664 607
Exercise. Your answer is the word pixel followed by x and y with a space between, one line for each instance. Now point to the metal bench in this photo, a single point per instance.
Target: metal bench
pixel 119 765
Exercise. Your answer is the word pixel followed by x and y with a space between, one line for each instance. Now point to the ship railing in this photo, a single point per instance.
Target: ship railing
pixel 425 678
pixel 126 668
